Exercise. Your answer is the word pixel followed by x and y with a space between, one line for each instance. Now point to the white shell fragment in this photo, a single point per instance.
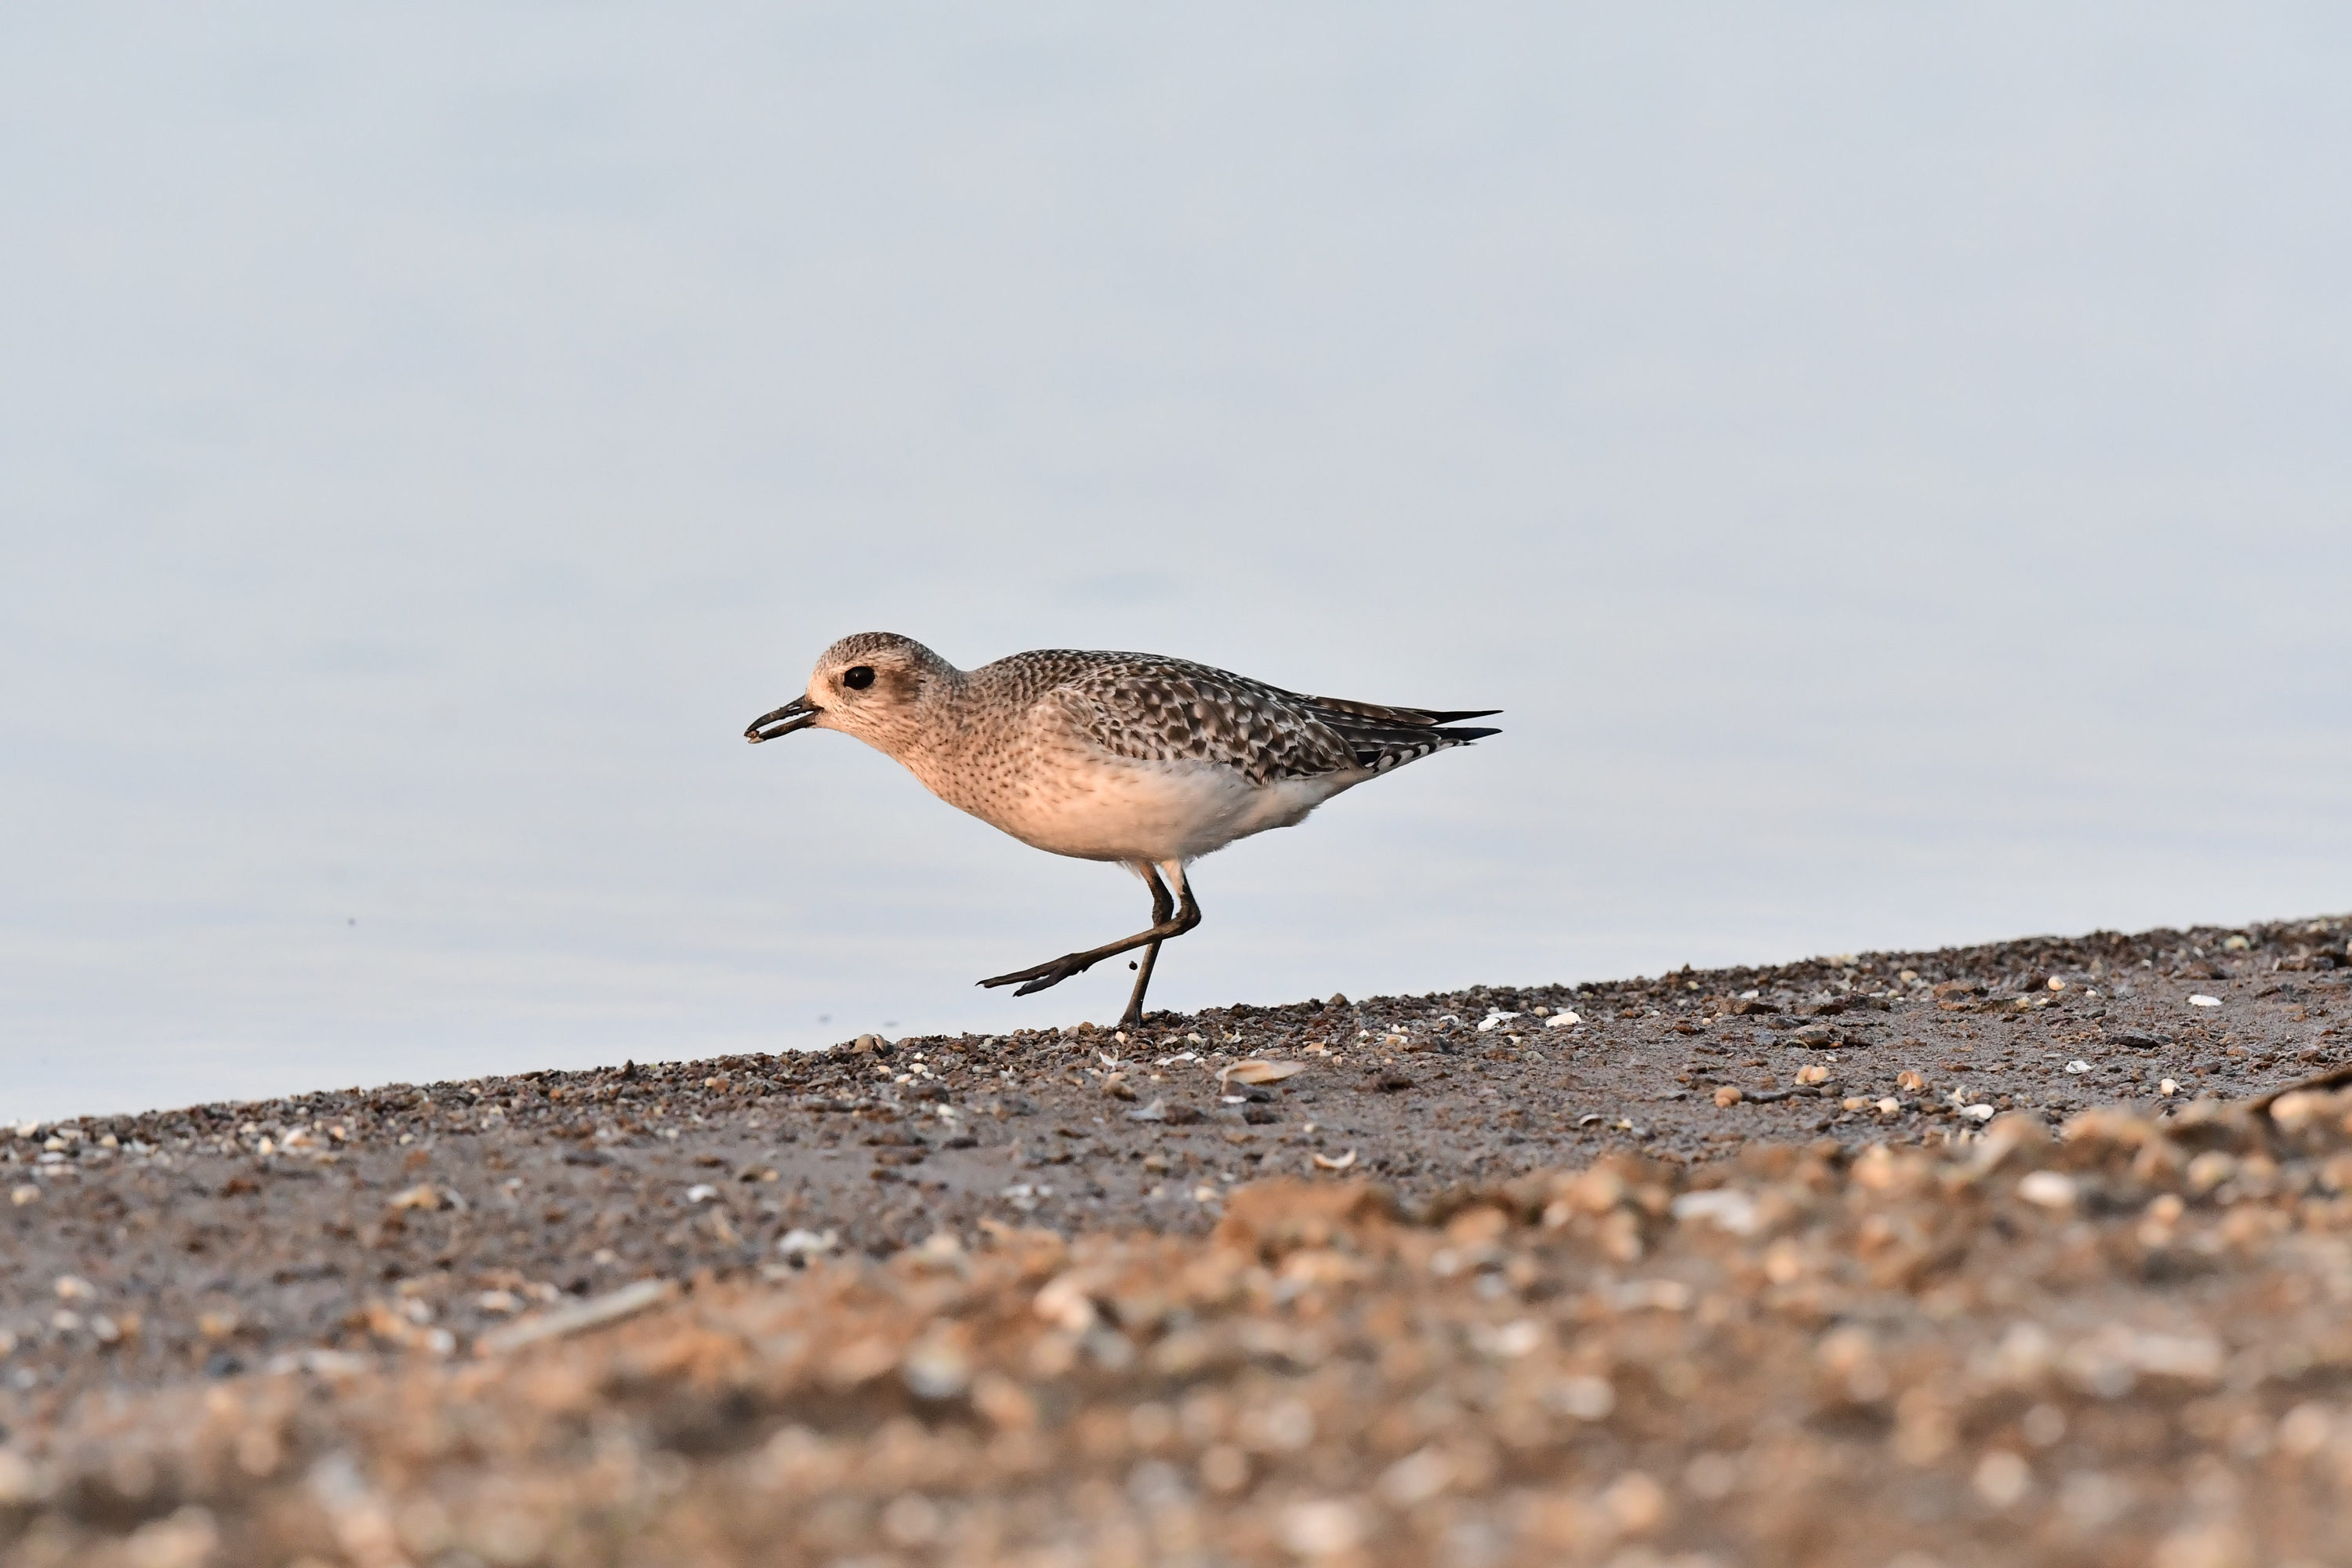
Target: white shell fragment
pixel 2204 1001
pixel 1561 1019
pixel 1493 1021
pixel 2078 1065
pixel 1324 1163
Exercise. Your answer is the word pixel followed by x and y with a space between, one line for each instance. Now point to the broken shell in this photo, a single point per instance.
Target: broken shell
pixel 1256 1070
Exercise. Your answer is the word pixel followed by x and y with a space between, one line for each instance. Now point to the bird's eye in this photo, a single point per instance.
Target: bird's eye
pixel 858 677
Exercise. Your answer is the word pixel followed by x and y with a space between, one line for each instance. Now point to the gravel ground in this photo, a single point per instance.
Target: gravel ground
pixel 1779 1265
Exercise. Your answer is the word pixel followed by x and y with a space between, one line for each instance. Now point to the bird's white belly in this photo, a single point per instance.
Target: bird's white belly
pixel 1113 809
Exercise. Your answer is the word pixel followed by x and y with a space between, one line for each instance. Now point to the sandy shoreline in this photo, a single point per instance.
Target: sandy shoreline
pixel 991 1216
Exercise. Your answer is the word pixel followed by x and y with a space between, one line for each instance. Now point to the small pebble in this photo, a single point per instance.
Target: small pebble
pixel 2002 1478
pixel 806 1243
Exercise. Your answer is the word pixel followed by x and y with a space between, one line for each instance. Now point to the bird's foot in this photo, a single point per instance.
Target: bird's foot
pixel 1037 977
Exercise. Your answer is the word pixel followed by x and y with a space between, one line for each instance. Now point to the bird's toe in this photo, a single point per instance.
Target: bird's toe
pixel 1038 977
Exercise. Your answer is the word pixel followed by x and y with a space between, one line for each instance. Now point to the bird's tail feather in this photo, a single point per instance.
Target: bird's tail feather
pixel 1335 710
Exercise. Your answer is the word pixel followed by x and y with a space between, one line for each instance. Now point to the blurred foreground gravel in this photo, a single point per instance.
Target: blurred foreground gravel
pixel 1070 1300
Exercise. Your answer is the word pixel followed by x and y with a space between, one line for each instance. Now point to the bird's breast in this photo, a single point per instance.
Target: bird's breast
pixel 1075 800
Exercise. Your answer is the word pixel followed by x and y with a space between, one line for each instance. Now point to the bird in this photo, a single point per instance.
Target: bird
pixel 1135 758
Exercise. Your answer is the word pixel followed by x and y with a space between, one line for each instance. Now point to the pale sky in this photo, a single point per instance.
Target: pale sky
pixel 1889 466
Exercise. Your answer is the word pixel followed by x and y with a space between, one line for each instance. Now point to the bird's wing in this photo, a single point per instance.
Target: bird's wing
pixel 1155 710
pixel 1170 710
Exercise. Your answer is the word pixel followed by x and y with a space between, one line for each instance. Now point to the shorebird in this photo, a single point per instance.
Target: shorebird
pixel 1130 757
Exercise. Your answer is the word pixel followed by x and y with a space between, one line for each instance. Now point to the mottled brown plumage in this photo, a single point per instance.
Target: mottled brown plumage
pixel 1149 709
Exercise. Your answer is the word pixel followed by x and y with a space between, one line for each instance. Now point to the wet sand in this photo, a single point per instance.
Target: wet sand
pixel 1722 1268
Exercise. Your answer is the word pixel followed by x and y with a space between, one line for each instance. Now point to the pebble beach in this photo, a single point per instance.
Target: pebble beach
pixel 2032 1252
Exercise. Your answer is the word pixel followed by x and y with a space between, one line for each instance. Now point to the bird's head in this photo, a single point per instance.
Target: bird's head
pixel 874 686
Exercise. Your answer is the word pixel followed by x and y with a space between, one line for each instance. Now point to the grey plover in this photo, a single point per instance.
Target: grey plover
pixel 1130 757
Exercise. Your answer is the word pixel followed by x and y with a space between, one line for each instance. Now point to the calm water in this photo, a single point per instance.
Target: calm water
pixel 1891 471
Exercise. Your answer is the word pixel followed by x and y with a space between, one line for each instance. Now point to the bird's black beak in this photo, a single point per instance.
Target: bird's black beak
pixel 798 714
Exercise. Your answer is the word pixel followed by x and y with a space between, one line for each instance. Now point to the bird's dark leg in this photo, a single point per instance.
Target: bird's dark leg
pixel 1133 1017
pixel 1037 978
pixel 1162 905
